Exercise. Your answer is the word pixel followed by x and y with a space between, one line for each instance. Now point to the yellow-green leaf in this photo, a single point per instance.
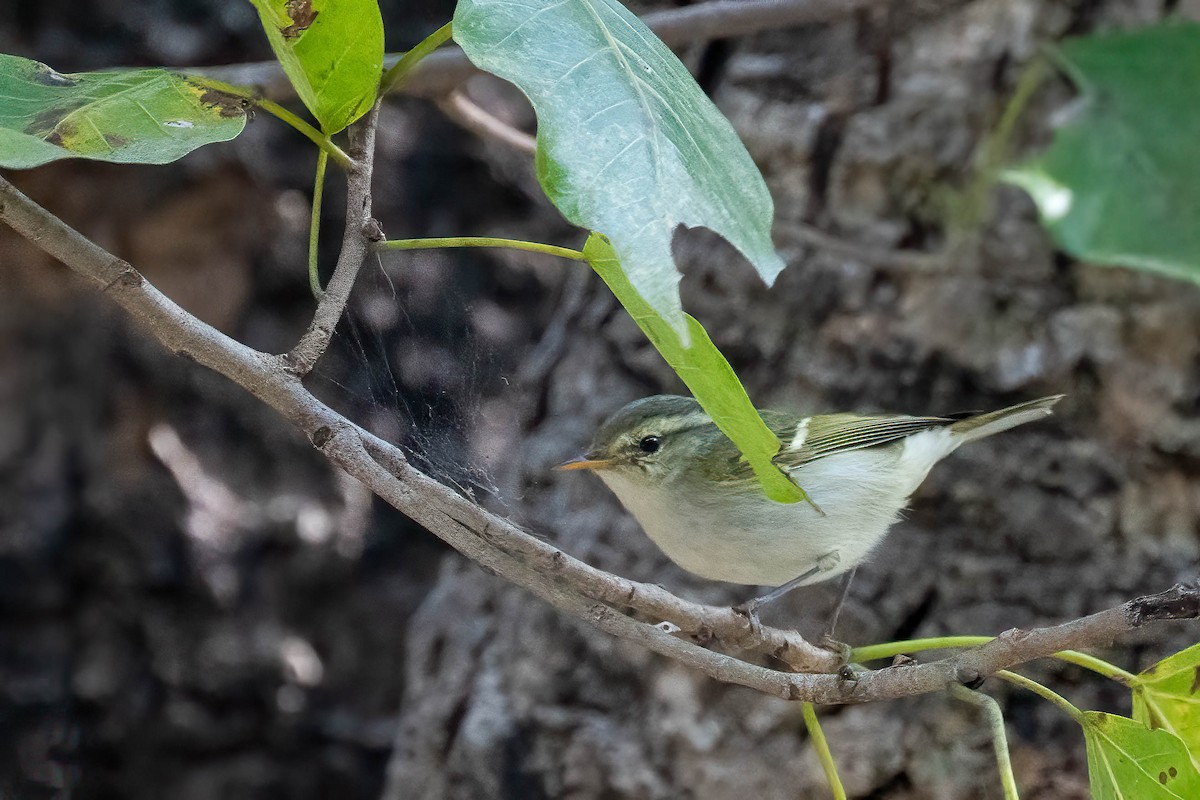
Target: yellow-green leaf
pixel 704 370
pixel 1167 696
pixel 332 52
pixel 1128 761
pixel 137 116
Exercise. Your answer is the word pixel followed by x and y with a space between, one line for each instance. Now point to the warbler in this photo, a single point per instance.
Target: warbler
pixel 697 498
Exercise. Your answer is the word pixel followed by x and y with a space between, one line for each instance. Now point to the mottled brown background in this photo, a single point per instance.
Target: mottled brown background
pixel 192 605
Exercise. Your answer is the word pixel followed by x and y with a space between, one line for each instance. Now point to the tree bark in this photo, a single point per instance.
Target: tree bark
pixel 218 614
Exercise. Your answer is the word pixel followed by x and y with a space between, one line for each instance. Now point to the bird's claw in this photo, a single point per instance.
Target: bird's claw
pixel 842 649
pixel 749 610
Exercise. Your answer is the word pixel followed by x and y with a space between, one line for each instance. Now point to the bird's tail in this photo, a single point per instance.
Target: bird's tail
pixel 981 425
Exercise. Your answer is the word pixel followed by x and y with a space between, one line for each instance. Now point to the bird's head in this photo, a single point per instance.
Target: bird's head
pixel 649 440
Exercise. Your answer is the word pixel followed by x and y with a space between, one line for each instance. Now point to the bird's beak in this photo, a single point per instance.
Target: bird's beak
pixel 586 462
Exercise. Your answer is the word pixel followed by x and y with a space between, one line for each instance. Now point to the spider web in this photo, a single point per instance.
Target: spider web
pixel 415 377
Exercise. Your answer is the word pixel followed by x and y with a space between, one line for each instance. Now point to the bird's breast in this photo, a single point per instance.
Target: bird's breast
pixel 738 535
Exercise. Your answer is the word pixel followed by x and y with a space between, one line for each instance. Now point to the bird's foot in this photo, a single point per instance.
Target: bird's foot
pixel 841 649
pixel 749 610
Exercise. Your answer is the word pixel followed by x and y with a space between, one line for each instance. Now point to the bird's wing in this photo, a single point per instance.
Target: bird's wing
pixel 807 439
pixel 811 438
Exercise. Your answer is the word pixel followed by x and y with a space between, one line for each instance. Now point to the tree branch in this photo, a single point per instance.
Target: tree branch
pixel 360 231
pixel 442 71
pixel 515 555
pixel 460 108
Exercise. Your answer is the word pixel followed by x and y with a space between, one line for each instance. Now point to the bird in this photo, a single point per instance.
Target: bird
pixel 699 501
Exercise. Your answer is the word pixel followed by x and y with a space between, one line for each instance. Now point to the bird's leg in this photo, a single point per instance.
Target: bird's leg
pixel 751 607
pixel 827 639
pixel 843 593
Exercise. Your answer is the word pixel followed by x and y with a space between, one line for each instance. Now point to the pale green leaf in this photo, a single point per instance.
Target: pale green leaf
pixel 1121 182
pixel 1167 696
pixel 705 372
pixel 1128 761
pixel 332 52
pixel 628 144
pixel 137 116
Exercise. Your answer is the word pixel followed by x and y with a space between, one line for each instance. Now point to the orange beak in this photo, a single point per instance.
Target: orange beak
pixel 586 463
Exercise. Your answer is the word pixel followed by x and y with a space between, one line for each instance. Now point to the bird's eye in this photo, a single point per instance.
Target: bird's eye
pixel 650 444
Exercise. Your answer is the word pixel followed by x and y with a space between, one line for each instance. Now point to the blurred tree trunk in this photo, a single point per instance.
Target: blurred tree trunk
pixel 193 606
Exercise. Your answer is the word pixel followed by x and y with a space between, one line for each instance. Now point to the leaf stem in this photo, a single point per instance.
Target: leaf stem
pixel 874 652
pixel 995 717
pixel 1097 665
pixel 823 754
pixel 1043 692
pixel 481 241
pixel 996 144
pixel 271 107
pixel 314 226
pixel 321 140
pixel 995 147
pixel 399 71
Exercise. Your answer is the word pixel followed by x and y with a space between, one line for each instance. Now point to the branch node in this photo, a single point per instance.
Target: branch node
pixel 321 436
pixel 372 231
pixel 969 677
pixel 1181 601
pixel 301 359
pixel 1013 636
pixel 126 276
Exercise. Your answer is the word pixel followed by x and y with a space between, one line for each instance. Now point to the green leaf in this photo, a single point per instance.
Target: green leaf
pixel 1121 182
pixel 705 372
pixel 628 145
pixel 332 52
pixel 141 116
pixel 1167 696
pixel 1128 761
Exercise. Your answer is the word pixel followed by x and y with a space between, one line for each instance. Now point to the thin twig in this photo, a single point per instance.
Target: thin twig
pixel 440 72
pixel 905 260
pixel 461 109
pixel 356 241
pixel 499 545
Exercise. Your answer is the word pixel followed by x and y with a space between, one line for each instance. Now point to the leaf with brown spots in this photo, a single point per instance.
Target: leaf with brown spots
pixel 331 51
pixel 142 116
pixel 303 16
pixel 1167 696
pixel 1128 761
